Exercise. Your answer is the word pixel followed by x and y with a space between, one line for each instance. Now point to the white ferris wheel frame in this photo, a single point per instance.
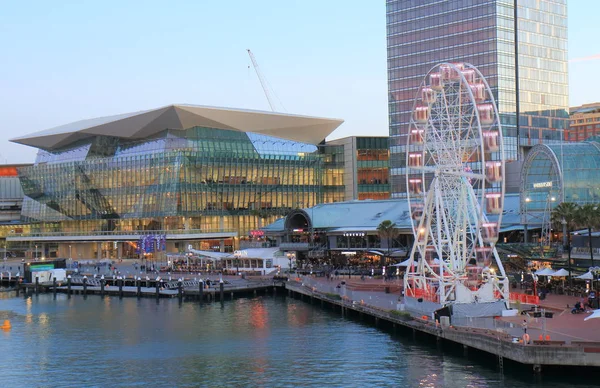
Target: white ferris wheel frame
pixel 454 235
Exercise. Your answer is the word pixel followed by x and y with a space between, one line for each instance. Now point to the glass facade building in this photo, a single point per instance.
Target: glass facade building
pixel 366 167
pixel 555 173
pixel 201 185
pixel 520 46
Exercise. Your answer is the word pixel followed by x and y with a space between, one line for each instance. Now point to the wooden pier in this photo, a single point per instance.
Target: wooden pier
pixel 184 289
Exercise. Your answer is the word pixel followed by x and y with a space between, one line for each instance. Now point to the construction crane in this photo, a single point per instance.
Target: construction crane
pixel 263 82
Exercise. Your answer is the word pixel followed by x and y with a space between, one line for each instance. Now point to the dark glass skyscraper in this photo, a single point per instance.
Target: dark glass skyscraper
pixel 518 45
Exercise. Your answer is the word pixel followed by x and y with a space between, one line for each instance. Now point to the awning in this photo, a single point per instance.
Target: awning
pixel 257 253
pixel 210 254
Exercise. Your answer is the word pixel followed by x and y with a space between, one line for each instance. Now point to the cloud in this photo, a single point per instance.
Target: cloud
pixel 583 59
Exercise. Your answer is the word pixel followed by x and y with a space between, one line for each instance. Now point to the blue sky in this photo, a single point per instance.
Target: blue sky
pixel 64 61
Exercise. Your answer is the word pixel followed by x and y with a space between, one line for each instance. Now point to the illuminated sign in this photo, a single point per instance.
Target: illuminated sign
pixel 240 254
pixel 348 253
pixel 257 233
pixel 539 185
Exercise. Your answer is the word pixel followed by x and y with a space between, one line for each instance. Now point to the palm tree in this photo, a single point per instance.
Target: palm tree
pixel 387 230
pixel 587 216
pixel 566 214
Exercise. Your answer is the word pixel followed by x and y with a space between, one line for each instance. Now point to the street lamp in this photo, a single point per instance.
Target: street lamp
pixel 291 256
pixel 568 244
pixel 526 220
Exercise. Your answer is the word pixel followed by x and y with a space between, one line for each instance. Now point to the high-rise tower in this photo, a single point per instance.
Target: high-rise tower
pixel 520 46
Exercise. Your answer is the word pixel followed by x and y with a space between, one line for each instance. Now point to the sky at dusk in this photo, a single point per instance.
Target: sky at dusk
pixel 64 61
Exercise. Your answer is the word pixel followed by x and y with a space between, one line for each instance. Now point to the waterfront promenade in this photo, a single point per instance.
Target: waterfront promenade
pixel 564 326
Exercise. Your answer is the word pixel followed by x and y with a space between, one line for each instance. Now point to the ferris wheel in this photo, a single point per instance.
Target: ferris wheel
pixel 455 185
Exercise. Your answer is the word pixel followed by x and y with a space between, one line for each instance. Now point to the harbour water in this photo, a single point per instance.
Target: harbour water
pixel 264 341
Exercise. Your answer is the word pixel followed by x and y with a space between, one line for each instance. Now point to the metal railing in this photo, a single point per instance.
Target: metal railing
pixel 291 246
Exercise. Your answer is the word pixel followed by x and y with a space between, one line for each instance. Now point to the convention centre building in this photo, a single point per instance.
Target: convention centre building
pixel 179 177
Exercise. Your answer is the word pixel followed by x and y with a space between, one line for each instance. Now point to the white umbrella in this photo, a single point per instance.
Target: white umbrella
pixel 544 272
pixel 560 273
pixel 405 263
pixel 595 314
pixel 586 276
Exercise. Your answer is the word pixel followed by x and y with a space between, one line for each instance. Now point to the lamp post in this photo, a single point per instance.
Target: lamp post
pixel 595 208
pixel 568 245
pixel 526 219
pixel 291 256
pixel 70 256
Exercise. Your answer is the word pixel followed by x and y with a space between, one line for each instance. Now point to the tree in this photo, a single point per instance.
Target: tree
pixel 388 231
pixel 566 214
pixel 587 216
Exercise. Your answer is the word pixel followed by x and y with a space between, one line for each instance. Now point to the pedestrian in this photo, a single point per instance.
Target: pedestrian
pixel 524 324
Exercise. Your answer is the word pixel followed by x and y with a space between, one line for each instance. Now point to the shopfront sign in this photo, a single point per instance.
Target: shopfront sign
pixel 584 252
pixel 541 185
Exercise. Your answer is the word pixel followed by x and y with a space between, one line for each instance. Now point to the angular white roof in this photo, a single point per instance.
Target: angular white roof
pixel 139 125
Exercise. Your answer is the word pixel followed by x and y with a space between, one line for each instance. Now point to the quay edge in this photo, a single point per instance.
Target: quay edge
pixel 496 343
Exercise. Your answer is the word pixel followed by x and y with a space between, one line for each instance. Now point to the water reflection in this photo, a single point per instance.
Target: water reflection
pixel 265 341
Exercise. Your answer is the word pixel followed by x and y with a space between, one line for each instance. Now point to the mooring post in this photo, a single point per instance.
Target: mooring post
pixel 221 291
pixel 37 284
pixel 84 286
pixel 139 286
pixel 179 289
pixel 201 291
pixel 69 285
pixel 120 287
pixel 102 283
pixel 54 286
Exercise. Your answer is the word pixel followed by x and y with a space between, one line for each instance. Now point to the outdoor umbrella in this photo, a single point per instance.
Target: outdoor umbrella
pixel 595 314
pixel 586 276
pixel 405 263
pixel 544 272
pixel 560 273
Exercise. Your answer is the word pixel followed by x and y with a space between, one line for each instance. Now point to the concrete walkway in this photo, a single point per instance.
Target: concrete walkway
pixel 564 326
